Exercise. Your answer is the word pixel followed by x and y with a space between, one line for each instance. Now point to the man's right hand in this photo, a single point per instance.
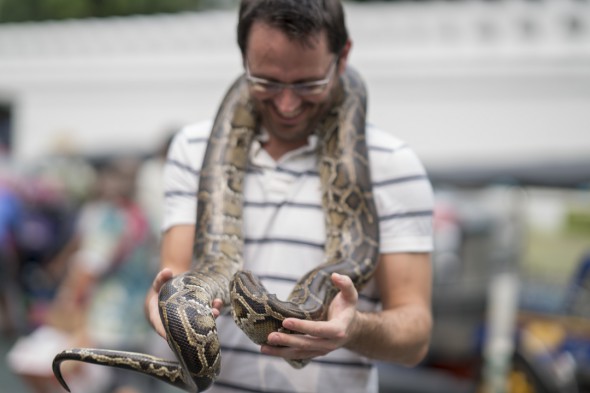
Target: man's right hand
pixel 151 302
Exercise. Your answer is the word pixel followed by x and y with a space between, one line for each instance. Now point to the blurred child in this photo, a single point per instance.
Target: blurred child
pixel 99 303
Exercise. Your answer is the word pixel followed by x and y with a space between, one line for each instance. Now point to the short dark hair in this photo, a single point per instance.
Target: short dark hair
pixel 299 19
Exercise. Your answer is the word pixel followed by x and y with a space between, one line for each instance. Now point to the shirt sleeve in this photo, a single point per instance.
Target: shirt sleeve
pixel 404 198
pixel 181 175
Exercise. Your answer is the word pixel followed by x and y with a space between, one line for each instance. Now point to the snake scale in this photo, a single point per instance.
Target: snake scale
pixel 351 247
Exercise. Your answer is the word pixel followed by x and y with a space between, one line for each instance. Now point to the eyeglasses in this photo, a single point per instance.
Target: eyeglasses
pixel 265 86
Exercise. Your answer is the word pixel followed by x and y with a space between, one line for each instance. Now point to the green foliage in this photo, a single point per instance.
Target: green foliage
pixel 37 10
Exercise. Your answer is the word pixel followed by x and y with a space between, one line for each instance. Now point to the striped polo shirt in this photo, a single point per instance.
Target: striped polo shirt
pixel 284 234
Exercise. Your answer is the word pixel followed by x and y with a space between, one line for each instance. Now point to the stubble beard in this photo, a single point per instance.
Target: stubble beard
pixel 300 133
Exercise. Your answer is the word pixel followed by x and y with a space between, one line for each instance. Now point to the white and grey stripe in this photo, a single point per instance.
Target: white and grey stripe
pixel 284 238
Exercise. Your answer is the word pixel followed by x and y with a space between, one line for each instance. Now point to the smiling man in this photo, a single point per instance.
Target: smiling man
pixel 294 53
pixel 291 83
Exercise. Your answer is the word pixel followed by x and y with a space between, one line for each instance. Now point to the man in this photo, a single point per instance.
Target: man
pixel 293 53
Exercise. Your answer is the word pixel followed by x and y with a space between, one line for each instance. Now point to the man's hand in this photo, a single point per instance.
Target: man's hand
pixel 318 338
pixel 151 302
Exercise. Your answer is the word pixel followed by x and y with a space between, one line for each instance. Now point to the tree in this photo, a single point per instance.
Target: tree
pixel 38 10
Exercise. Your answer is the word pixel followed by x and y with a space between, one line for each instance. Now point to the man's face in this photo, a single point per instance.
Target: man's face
pixel 287 115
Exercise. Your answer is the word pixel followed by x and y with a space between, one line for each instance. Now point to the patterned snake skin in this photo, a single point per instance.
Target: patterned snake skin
pixel 351 248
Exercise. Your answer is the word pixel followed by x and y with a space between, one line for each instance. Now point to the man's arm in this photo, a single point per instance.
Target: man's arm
pixel 176 251
pixel 399 333
pixel 175 258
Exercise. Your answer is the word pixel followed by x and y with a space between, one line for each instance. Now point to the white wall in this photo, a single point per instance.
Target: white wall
pixel 115 112
pixel 455 94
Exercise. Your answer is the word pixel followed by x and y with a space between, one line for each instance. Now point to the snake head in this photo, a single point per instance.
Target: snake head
pixel 257 312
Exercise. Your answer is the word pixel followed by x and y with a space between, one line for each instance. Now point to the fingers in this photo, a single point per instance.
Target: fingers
pixel 217 306
pixel 340 314
pixel 297 346
pixel 318 338
pixel 153 314
pixel 321 329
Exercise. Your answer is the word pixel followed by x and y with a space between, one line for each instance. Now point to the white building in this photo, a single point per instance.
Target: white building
pixel 464 82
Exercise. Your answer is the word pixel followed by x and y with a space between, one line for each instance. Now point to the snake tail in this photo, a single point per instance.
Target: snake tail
pixel 161 369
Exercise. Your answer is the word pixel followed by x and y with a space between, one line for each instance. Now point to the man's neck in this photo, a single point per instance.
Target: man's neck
pixel 277 149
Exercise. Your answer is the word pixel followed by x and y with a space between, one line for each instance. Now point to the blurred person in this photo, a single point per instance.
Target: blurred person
pixel 577 296
pixel 99 301
pixel 10 214
pixel 65 165
pixel 56 187
pixel 293 52
pixel 45 226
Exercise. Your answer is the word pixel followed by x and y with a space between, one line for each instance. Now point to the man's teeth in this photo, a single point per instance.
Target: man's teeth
pixel 291 115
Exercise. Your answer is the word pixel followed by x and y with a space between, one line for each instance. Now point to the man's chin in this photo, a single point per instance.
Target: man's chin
pixel 290 135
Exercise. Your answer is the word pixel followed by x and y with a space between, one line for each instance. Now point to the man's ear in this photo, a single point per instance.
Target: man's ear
pixel 344 56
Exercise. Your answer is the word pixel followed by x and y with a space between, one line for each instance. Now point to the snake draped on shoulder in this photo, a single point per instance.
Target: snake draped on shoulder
pixel 185 302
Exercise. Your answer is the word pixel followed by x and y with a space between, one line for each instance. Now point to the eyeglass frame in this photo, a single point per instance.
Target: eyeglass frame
pixel 295 87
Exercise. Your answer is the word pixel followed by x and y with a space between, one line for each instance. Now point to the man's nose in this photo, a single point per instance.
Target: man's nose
pixel 287 101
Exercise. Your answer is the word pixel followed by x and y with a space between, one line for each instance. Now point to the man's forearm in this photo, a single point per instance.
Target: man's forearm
pixel 399 335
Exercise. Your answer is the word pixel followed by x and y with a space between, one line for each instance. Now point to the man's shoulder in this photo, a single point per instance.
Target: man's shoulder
pixel 391 155
pixel 379 138
pixel 195 130
pixel 190 142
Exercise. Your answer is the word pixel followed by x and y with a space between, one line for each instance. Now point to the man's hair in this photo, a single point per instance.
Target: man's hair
pixel 298 19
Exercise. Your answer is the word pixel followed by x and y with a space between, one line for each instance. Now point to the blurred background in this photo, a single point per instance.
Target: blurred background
pixel 493 95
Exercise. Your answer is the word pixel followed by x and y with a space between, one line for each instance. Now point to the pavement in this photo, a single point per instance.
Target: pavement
pixel 9 383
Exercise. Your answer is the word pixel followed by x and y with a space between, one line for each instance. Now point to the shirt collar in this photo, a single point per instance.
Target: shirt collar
pixel 262 136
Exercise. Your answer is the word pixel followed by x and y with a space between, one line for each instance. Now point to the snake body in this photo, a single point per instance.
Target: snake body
pixel 351 245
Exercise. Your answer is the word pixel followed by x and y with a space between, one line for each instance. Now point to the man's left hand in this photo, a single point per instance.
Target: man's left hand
pixel 318 338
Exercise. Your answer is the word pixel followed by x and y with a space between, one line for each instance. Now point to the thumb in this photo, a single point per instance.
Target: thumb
pixel 164 275
pixel 346 286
